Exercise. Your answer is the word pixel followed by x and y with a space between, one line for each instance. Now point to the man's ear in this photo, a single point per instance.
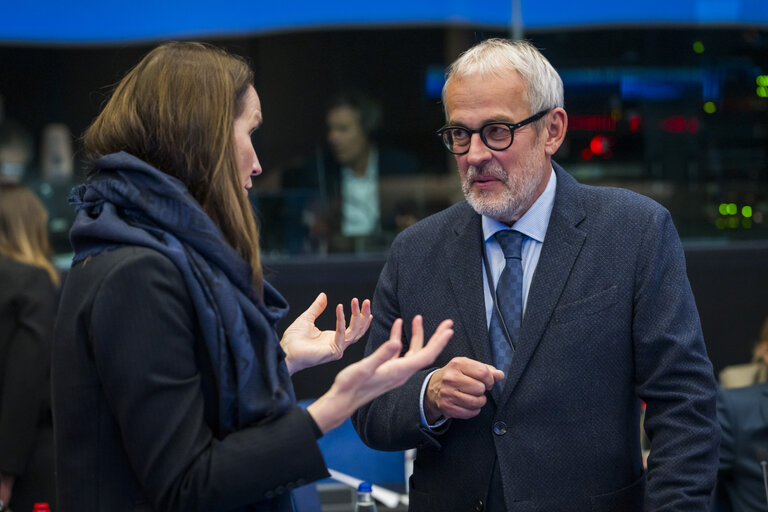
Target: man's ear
pixel 556 126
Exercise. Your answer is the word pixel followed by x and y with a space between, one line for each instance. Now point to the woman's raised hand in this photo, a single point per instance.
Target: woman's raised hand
pixel 305 345
pixel 378 373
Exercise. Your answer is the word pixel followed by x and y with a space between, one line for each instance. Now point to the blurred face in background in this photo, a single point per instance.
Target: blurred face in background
pixel 346 136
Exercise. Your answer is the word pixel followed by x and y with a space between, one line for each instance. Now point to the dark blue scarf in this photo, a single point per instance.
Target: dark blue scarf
pixel 129 202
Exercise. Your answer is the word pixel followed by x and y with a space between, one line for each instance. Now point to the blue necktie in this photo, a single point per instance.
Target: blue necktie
pixel 509 298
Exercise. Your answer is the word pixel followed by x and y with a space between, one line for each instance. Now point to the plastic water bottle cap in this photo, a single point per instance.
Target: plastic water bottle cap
pixel 364 487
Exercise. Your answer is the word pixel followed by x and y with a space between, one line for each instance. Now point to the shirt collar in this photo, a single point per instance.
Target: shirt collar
pixel 535 221
pixel 371 170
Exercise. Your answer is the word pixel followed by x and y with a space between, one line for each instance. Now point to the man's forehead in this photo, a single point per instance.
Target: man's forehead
pixel 481 102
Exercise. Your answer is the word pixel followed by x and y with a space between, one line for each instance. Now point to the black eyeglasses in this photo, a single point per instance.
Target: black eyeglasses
pixel 497 136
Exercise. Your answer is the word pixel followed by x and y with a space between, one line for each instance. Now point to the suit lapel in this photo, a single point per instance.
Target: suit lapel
pixel 464 257
pixel 562 245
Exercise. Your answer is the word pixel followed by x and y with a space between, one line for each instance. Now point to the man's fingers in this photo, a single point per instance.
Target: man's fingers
pixel 468 402
pixel 455 395
pixel 497 374
pixel 482 372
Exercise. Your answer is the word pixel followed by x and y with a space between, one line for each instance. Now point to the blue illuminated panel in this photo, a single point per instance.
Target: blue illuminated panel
pixel 91 21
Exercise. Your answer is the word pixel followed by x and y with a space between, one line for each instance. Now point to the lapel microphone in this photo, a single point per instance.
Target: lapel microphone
pixel 762 458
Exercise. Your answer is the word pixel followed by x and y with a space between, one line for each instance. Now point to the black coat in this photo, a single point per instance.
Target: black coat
pixel 27 311
pixel 133 404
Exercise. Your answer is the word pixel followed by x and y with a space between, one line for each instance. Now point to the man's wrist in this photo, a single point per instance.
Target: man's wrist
pixel 431 417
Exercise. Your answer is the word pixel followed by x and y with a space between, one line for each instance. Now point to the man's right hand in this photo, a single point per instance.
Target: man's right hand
pixel 457 390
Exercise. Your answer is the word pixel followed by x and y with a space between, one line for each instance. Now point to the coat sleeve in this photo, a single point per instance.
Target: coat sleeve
pixel 729 428
pixel 143 342
pixel 393 420
pixel 673 375
pixel 24 387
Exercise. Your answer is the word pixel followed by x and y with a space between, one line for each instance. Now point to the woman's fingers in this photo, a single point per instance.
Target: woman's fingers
pixel 341 326
pixel 417 335
pixel 317 307
pixel 360 320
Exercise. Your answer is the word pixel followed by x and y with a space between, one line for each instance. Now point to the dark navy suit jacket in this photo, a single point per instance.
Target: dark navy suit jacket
pixel 743 414
pixel 610 321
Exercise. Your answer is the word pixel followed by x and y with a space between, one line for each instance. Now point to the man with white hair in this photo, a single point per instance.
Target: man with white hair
pixel 571 307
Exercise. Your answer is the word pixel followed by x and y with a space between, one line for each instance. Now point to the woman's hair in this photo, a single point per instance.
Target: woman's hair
pixel 498 57
pixel 176 111
pixel 24 228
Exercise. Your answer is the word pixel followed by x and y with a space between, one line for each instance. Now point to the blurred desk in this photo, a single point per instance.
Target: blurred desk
pixel 345 452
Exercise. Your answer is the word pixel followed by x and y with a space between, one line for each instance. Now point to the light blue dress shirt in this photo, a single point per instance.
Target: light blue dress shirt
pixel 533 224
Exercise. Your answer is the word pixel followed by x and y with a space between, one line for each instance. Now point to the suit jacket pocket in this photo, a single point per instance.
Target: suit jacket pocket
pixel 585 307
pixel 627 499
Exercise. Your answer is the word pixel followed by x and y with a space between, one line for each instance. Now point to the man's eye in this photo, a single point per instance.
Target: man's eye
pixel 460 135
pixel 497 132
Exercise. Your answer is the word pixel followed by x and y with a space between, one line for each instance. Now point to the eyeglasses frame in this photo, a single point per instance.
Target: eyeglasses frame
pixel 512 127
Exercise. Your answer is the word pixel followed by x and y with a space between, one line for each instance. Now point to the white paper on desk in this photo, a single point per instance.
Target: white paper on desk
pixel 389 499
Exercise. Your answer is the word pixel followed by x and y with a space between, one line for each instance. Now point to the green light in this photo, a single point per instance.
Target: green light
pixel 762 92
pixel 720 223
pixel 746 223
pixel 762 80
pixel 710 107
pixel 733 222
pixel 723 209
pixel 698 47
pixel 732 209
pixel 746 211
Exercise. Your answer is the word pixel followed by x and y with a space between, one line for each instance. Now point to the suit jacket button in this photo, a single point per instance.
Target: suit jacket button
pixel 479 506
pixel 499 428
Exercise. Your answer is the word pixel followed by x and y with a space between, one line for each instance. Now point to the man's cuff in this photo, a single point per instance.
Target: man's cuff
pixel 424 423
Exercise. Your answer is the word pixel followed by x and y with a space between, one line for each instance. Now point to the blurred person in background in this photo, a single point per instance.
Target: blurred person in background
pixel 27 315
pixel 743 416
pixel 16 148
pixel 752 373
pixel 172 387
pixel 348 210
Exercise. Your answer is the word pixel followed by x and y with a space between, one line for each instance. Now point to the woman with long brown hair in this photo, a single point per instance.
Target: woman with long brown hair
pixel 172 389
pixel 27 313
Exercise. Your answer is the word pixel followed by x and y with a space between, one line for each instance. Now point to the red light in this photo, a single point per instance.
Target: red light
pixel 674 124
pixel 599 145
pixel 693 125
pixel 634 123
pixel 604 123
pixel 586 154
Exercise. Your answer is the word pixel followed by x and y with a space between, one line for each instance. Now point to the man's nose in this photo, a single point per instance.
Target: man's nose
pixel 478 152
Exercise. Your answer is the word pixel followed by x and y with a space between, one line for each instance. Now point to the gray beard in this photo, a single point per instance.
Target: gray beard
pixel 514 199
